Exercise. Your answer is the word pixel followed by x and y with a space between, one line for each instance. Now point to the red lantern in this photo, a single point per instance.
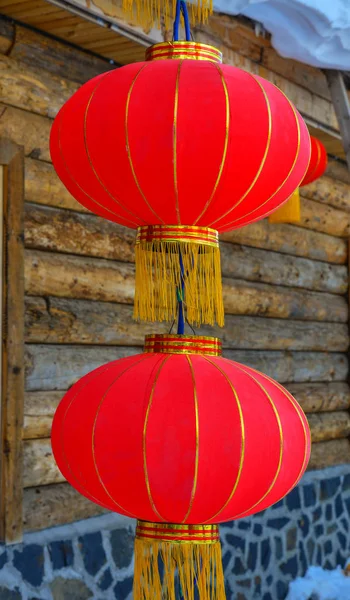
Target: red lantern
pixel 290 211
pixel 180 435
pixel 180 149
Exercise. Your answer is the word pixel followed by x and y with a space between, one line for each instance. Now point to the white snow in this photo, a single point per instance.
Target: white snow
pixel 316 32
pixel 320 585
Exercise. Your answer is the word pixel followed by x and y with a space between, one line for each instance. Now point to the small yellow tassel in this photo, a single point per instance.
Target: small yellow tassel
pixel 147 12
pixel 289 212
pixel 158 282
pixel 198 568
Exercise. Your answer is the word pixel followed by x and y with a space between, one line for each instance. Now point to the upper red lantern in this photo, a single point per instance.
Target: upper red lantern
pixel 318 161
pixel 180 149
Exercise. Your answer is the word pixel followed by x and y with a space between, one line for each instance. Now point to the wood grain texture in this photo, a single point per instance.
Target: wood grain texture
pixel 54 505
pixel 321 397
pixel 39 409
pixel 12 271
pixel 53 367
pixel 48 228
pixel 33 89
pixel 51 274
pixel 59 320
pixel 26 129
pixel 329 454
pixel 329 426
pixel 7 34
pixel 337 169
pixel 328 191
pixel 32 48
pixel 324 218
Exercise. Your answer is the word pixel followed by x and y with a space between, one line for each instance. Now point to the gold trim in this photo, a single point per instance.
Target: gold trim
pixel 195 477
pixel 93 435
pixel 177 233
pixel 241 418
pixel 89 157
pixel 263 161
pixel 281 441
pixel 187 50
pixel 176 106
pixel 166 344
pixel 128 151
pixel 145 425
pixel 175 533
pixel 224 155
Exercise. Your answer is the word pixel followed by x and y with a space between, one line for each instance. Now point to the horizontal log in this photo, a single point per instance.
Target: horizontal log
pixel 26 129
pixel 338 170
pixel 329 454
pixel 321 397
pixel 324 218
pixel 59 320
pixel 48 54
pixel 54 367
pixel 308 103
pixel 47 228
pixel 328 191
pixel 329 426
pixel 56 504
pixel 50 274
pixel 33 89
pixel 39 409
pixel 39 466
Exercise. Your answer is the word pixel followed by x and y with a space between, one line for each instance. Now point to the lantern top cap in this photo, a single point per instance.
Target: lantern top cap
pixel 182 344
pixel 183 51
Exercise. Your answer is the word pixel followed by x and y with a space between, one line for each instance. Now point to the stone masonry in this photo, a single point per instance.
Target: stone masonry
pixel 261 555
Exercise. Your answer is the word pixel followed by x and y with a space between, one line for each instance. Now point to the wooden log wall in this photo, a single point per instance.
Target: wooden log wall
pixel 285 286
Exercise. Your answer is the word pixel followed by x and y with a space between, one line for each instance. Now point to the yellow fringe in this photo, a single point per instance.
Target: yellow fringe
pixel 158 279
pixel 289 212
pixel 197 566
pixel 148 12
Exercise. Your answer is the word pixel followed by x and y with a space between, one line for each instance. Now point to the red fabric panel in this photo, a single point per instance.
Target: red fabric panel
pixel 318 161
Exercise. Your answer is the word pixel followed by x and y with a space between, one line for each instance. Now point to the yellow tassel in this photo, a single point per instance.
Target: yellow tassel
pixel 289 212
pixel 196 567
pixel 147 12
pixel 158 281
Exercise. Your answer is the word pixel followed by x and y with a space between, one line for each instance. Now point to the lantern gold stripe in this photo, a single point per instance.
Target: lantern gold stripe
pixel 286 178
pixel 63 427
pixel 128 151
pixel 186 49
pixel 195 477
pixel 94 430
pixel 263 160
pixel 176 106
pixel 241 419
pixel 240 367
pixel 79 186
pixel 144 450
pixel 88 153
pixel 224 154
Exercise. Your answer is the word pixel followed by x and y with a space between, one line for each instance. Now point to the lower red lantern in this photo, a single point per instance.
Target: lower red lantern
pixel 181 439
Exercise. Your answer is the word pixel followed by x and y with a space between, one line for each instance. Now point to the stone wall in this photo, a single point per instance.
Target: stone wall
pixel 261 555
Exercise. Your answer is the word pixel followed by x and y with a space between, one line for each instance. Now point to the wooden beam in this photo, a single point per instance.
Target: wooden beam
pixel 329 454
pixel 11 496
pixel 342 107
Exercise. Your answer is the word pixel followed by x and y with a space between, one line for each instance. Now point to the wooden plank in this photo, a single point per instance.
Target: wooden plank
pixel 7 35
pixel 46 53
pixel 12 393
pixel 43 186
pixel 39 466
pixel 329 191
pixel 53 367
pixel 33 89
pixel 330 453
pixel 324 218
pixel 26 129
pixel 56 504
pixel 58 320
pixel 329 426
pixel 338 169
pixel 70 232
pixel 51 274
pixel 321 397
pixel 39 407
pixel 341 103
pixel 306 76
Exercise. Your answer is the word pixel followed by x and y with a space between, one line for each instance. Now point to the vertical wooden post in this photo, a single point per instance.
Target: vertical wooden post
pixel 341 103
pixel 12 333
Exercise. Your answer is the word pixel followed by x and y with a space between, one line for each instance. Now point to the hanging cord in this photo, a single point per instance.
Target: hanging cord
pixel 181 8
pixel 181 297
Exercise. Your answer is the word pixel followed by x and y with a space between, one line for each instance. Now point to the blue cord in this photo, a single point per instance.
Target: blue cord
pixel 181 295
pixel 181 8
